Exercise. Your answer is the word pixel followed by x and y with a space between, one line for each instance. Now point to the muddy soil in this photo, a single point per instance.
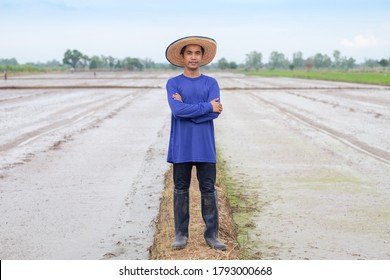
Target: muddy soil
pixel 81 170
pixel 314 156
pixel 82 167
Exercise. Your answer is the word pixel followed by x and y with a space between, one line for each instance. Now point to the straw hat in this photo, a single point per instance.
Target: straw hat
pixel 173 51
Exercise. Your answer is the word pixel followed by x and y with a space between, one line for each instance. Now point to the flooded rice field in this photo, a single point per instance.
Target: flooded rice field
pixel 82 163
pixel 315 156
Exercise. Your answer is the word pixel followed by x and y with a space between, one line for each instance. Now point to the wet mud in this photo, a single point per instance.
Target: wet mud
pixel 82 164
pixel 315 162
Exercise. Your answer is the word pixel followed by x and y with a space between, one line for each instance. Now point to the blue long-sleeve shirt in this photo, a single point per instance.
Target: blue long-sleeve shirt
pixel 192 128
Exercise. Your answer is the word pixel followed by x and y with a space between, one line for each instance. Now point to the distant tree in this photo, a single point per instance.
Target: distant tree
pixel 384 63
pixel 223 64
pixel 278 60
pixel 348 63
pixel 8 61
pixel 111 62
pixel 73 58
pixel 84 61
pixel 298 61
pixel 148 63
pixel 321 61
pixel 96 62
pixel 253 60
pixel 233 65
pixel 118 64
pixel 336 58
pixel 370 63
pixel 132 64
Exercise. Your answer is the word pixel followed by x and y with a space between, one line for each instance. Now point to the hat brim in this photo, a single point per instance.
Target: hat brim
pixel 174 56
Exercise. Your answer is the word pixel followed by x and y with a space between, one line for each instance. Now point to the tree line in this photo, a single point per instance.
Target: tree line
pixel 277 60
pixel 74 59
pixel 253 60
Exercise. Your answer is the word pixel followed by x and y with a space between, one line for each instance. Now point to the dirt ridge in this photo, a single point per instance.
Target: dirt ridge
pixel 196 248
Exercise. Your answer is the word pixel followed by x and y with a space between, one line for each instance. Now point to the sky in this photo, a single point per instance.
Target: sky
pixel 42 30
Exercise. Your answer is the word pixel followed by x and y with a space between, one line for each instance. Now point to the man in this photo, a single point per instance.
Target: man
pixel 194 102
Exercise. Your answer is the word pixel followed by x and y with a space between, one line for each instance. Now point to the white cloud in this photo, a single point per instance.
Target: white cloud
pixel 360 41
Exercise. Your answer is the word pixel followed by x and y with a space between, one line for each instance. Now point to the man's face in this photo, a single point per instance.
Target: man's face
pixel 192 57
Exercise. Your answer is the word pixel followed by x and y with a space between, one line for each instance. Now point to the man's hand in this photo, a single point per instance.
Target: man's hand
pixel 177 97
pixel 217 107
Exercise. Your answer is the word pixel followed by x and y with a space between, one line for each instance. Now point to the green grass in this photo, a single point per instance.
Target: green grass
pixel 378 78
pixel 243 208
pixel 28 69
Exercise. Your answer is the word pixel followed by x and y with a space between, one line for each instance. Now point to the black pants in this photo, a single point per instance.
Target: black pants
pixel 205 171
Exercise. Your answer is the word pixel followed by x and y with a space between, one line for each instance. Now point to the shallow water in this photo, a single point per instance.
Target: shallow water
pixel 81 169
pixel 316 162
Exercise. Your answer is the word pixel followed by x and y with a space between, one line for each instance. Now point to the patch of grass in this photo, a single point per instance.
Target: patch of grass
pixel 15 69
pixel 235 212
pixel 331 178
pixel 242 206
pixel 378 78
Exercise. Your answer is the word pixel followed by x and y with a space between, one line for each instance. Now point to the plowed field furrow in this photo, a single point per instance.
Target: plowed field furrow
pixel 314 164
pixel 82 170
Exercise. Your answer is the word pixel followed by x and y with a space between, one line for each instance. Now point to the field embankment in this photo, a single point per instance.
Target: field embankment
pixel 196 248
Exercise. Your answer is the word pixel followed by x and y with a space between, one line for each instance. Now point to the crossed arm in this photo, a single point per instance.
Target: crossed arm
pixel 197 113
pixel 217 107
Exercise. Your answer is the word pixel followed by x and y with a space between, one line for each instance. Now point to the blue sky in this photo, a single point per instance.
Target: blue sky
pixel 42 30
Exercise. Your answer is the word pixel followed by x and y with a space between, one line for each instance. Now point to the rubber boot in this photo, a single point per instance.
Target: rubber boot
pixel 210 217
pixel 181 200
